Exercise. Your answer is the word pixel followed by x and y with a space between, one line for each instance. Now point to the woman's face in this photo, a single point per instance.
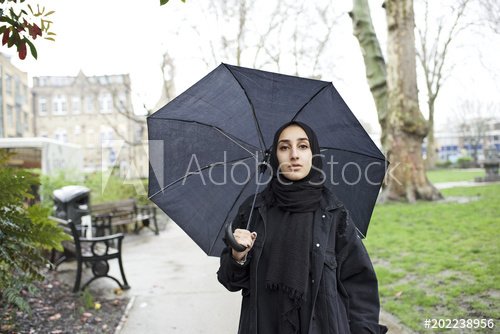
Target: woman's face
pixel 294 153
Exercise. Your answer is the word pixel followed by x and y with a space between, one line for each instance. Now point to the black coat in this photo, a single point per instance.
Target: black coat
pixel 345 291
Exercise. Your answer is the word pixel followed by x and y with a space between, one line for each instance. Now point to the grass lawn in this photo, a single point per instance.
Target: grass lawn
pixel 454 175
pixel 439 260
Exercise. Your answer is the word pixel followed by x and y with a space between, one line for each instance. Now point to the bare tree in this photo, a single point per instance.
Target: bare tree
pixel 134 137
pixel 312 30
pixel 403 125
pixel 232 16
pixel 275 23
pixel 248 41
pixel 125 108
pixel 490 12
pixel 433 48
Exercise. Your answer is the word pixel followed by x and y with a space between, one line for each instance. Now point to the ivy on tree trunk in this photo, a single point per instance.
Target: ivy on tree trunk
pixel 376 72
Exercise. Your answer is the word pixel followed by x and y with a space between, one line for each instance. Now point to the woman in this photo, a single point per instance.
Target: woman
pixel 304 269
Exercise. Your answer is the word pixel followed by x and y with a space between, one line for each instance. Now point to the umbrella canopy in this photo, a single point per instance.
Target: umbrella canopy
pixel 205 147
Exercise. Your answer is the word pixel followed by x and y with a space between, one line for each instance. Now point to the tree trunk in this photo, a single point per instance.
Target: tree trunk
pixel 374 60
pixel 406 126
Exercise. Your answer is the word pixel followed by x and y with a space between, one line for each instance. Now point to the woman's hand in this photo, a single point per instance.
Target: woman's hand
pixel 244 238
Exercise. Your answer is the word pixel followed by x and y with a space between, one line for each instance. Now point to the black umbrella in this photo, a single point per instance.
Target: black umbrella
pixel 206 147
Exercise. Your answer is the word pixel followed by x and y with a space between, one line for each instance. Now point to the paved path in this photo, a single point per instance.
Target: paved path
pixel 175 287
pixel 446 185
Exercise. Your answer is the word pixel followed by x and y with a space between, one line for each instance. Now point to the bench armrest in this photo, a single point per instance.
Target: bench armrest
pixel 102 246
pixel 103 239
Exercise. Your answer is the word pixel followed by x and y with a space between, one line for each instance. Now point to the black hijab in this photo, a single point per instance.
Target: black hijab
pixel 296 196
pixel 289 251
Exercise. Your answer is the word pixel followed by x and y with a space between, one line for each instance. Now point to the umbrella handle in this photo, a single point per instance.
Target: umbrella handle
pixel 231 240
pixel 229 226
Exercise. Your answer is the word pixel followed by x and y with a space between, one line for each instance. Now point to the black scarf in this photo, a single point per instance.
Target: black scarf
pixel 289 258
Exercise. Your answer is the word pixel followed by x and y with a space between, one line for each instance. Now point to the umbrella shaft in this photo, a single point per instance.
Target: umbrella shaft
pixel 254 199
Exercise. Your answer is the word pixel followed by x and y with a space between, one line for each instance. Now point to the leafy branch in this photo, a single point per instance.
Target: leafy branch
pixel 21 28
pixel 164 2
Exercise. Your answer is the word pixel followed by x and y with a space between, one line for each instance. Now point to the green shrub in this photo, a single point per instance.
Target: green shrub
pixel 59 179
pixel 25 232
pixel 104 187
pixel 465 162
pixel 109 187
pixel 443 164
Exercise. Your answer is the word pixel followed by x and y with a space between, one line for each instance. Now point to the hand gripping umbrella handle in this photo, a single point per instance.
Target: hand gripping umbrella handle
pixel 231 240
pixel 229 227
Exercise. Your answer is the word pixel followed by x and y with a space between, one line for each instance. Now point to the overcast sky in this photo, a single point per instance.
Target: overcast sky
pixel 123 36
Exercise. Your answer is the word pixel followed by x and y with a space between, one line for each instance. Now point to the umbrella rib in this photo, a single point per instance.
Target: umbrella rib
pixel 312 97
pixel 362 235
pixel 344 150
pixel 214 127
pixel 338 149
pixel 261 137
pixel 234 141
pixel 196 172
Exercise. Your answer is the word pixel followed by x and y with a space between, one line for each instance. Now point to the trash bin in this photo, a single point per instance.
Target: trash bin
pixel 72 202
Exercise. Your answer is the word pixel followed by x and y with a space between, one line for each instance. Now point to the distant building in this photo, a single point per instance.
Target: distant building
pixel 96 113
pixel 470 140
pixel 16 118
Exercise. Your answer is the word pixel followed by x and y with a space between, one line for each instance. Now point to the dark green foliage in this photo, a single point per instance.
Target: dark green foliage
pixel 25 232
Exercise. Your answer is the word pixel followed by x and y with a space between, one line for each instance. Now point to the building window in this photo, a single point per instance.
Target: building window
pixel 106 136
pixel 59 105
pixel 19 121
pixel 105 103
pixel 8 84
pixel 10 116
pixel 42 106
pixel 26 122
pixel 75 104
pixel 26 93
pixel 78 130
pixel 61 135
pixel 89 104
pixel 16 85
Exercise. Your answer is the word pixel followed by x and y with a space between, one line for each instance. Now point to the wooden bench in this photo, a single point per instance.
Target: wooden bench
pixel 107 216
pixel 94 252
